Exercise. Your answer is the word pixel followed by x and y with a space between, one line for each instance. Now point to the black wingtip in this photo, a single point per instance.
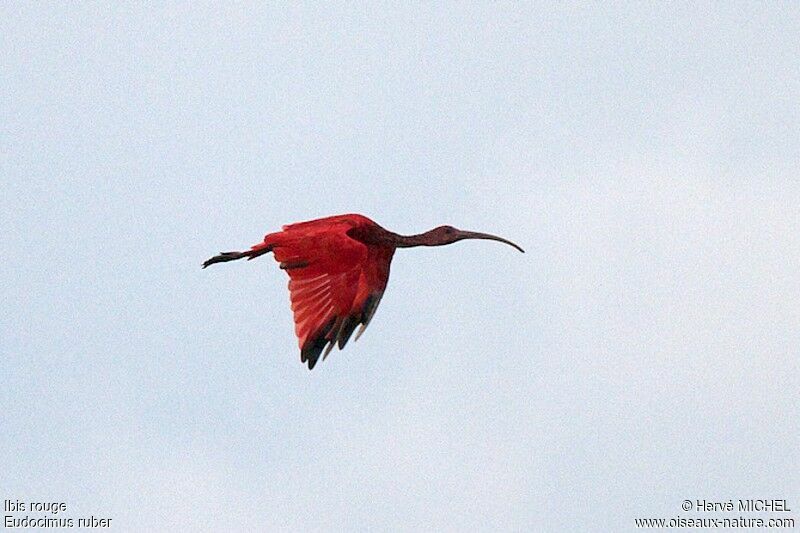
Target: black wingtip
pixel 311 351
pixel 348 326
pixel 310 354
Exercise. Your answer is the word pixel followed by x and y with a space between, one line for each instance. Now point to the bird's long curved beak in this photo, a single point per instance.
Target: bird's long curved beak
pixel 487 236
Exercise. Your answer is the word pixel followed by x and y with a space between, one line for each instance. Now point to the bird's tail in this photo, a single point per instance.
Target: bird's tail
pixel 255 251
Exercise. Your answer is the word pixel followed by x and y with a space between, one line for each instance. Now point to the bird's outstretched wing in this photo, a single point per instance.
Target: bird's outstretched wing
pixel 336 283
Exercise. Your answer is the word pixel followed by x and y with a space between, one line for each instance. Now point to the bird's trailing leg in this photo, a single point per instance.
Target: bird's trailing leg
pixel 223 257
pixel 255 251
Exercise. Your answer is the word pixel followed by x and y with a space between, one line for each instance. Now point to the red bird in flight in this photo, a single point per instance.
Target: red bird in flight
pixel 338 268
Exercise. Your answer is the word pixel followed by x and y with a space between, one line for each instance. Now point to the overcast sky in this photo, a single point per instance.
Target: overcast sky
pixel 645 349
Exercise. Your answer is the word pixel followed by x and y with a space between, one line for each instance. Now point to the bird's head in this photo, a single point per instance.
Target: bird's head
pixel 449 234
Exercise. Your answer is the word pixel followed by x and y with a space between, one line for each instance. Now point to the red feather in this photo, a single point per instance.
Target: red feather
pixel 336 281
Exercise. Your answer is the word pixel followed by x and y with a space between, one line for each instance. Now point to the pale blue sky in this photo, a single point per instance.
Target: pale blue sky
pixel 644 351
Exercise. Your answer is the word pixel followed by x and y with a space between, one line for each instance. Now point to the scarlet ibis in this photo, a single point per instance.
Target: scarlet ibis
pixel 338 269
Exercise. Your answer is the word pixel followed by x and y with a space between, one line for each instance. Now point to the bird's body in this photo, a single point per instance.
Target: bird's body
pixel 338 268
